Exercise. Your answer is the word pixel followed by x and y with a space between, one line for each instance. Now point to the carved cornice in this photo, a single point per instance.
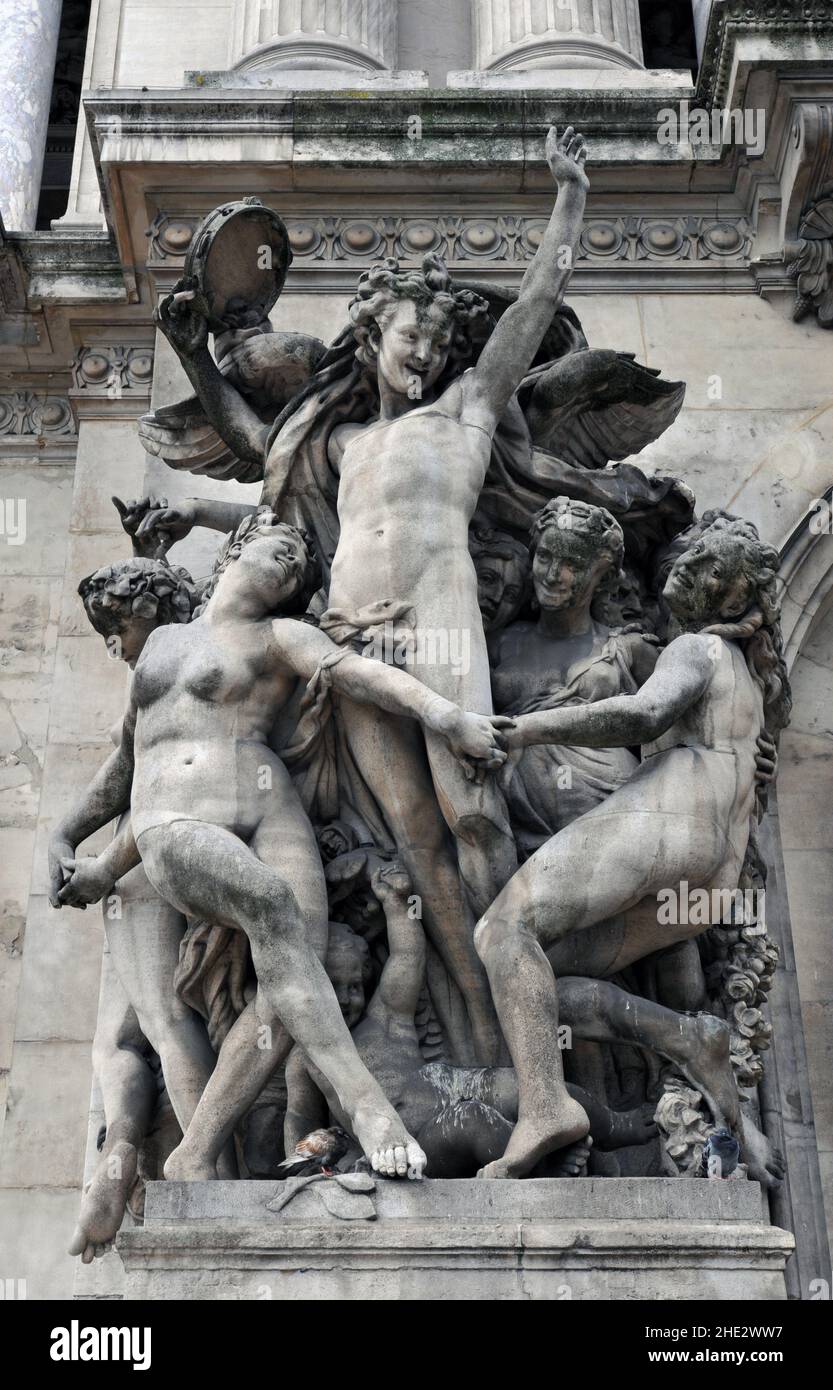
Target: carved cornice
pixel 795 26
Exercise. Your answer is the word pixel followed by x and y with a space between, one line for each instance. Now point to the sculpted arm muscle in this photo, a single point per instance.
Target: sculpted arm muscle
pixel 683 673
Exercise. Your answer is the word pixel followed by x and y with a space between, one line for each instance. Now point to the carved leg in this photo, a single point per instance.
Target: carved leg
pixel 207 871
pixel 129 1091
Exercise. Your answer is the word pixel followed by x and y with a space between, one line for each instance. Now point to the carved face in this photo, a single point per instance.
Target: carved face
pixel 272 565
pixel 500 586
pixel 709 581
pixel 344 967
pixel 412 346
pixel 131 638
pixel 565 570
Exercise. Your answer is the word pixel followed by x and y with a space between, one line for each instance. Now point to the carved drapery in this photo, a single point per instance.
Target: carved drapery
pixel 517 34
pixel 310 34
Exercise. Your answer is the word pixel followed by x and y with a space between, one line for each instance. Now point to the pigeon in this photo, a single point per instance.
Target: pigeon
pixel 721 1152
pixel 317 1152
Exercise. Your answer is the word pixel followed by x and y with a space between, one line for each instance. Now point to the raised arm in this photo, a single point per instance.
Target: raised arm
pixel 154 525
pixel 470 736
pixel 508 354
pixel 682 675
pixel 403 976
pixel 182 318
pixel 107 795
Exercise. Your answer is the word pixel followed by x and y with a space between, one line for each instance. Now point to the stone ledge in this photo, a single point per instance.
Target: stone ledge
pixel 547 1239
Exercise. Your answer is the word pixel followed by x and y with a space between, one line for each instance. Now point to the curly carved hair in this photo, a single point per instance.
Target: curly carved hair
pixel 598 531
pixel 151 590
pixel 384 285
pixel 252 528
pixel 758 630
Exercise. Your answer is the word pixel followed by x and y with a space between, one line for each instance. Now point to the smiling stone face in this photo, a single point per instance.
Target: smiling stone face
pixel 413 342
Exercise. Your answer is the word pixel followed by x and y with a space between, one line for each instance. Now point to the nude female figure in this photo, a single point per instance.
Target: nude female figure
pixel 140 1011
pixel 684 814
pixel 216 821
pixel 409 482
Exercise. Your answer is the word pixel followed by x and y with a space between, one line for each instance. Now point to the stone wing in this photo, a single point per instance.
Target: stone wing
pixel 185 439
pixel 594 406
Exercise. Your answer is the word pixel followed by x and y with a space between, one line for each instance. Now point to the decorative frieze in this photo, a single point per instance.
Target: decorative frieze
pixel 351 239
pixel 111 371
pixel 35 415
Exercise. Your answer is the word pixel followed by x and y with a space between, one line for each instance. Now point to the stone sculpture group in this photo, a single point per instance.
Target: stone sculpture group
pixel 400 784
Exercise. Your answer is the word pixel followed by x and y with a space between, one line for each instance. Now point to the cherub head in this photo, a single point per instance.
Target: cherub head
pixel 502 566
pixel 577 551
pixel 269 561
pixel 409 323
pixel 127 601
pixel 350 970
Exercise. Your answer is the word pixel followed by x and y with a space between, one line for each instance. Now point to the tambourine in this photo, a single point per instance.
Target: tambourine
pixel 239 257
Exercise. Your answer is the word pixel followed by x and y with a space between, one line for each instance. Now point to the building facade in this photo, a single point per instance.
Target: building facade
pixel 377 129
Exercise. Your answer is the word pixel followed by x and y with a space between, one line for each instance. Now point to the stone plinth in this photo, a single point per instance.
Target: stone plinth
pixel 552 1238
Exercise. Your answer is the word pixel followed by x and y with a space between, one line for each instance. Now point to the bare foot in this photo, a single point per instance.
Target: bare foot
pixel 103 1203
pixel 572 1162
pixel 183 1166
pixel 392 1151
pixel 703 1058
pixel 563 1124
pixel 764 1163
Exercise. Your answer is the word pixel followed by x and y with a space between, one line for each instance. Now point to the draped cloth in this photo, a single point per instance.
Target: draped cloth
pixel 551 785
pixel 318 757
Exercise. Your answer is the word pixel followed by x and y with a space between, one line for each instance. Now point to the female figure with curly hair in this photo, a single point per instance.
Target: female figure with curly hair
pixel 140 1010
pixel 408 484
pixel 221 831
pixel 684 815
pixel 567 656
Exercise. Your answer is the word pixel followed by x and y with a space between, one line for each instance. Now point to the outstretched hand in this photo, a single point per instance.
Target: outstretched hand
pixel 566 155
pixel 153 525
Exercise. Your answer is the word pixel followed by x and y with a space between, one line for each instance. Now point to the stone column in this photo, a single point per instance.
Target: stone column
pixel 28 44
pixel 520 34
pixel 314 34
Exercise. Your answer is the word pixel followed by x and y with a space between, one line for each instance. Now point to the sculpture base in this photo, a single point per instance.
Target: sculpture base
pixel 549 1238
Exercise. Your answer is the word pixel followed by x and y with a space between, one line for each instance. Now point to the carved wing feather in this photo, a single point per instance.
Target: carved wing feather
pixel 184 438
pixel 595 406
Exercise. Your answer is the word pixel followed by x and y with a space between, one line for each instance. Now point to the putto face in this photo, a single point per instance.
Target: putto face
pixel 412 344
pixel 565 572
pixel 709 581
pixel 344 968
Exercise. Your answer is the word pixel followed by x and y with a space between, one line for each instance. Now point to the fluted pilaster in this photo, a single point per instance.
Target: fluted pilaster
pixel 518 34
pixel 310 34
